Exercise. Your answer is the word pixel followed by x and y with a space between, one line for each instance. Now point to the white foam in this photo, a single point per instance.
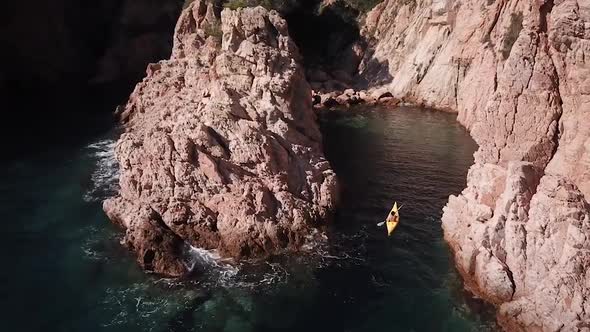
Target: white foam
pixel 209 263
pixel 143 302
pixel 277 274
pixel 105 177
pixel 139 304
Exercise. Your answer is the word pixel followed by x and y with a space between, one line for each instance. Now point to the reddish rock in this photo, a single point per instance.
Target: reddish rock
pixel 517 72
pixel 158 249
pixel 221 147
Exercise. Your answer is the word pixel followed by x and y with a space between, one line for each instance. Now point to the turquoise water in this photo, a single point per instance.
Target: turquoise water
pixel 64 270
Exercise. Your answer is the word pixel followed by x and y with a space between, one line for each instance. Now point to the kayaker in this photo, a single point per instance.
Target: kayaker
pixel 392 219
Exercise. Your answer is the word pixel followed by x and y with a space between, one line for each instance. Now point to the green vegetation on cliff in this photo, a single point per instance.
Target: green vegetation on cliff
pixel 362 6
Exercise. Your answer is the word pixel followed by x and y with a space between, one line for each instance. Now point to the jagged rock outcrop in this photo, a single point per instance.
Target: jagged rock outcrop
pixel 518 74
pixel 221 147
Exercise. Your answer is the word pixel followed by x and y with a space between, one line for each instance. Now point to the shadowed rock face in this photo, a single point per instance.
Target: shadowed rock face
pixel 221 148
pixel 50 42
pixel 518 74
pixel 325 32
pixel 67 61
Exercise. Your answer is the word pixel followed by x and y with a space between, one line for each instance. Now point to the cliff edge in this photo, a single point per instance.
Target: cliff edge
pixel 518 74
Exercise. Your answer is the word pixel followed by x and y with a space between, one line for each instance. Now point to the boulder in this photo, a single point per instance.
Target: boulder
pixel 330 102
pixel 349 92
pixel 316 99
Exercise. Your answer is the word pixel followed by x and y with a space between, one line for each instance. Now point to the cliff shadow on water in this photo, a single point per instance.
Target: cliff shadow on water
pixel 333 49
pixel 69 63
pixel 322 32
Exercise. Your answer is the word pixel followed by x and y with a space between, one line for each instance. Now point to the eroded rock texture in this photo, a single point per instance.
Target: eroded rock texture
pixel 518 73
pixel 221 149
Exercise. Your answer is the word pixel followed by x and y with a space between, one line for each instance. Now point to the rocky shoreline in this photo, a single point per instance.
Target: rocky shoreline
pixel 222 149
pixel 517 73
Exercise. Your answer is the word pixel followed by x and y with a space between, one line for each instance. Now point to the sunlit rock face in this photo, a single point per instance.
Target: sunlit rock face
pixel 221 148
pixel 518 74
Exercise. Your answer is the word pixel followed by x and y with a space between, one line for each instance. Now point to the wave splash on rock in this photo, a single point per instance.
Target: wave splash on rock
pixel 105 176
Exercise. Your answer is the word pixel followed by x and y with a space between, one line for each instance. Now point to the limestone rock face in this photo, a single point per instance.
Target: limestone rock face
pixel 518 74
pixel 221 147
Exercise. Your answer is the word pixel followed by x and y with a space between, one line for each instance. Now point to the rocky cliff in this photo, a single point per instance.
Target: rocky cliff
pixel 518 74
pixel 221 147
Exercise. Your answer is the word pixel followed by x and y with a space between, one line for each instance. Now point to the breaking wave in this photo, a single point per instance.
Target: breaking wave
pixel 210 267
pixel 211 271
pixel 105 176
pixel 163 301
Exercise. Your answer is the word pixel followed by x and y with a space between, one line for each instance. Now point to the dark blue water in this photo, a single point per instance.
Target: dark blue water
pixel 64 270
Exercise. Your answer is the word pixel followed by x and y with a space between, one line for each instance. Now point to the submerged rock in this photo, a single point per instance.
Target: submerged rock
pixel 221 148
pixel 518 74
pixel 351 97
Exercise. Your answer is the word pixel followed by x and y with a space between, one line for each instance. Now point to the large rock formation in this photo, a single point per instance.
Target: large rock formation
pixel 518 73
pixel 221 148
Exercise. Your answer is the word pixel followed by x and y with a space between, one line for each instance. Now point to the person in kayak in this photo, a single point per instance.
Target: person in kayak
pixel 392 219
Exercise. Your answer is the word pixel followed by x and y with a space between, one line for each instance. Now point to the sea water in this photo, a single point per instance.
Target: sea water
pixel 63 268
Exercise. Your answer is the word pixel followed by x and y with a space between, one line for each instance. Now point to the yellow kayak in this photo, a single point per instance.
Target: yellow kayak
pixel 391 226
pixel 392 219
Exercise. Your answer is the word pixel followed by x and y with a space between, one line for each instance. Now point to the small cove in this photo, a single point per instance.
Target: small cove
pixel 65 270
